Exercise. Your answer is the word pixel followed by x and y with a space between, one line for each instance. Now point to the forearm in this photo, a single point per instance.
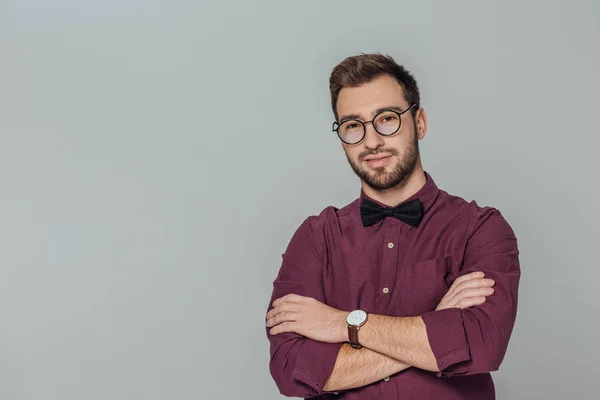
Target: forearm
pixel 401 338
pixel 360 367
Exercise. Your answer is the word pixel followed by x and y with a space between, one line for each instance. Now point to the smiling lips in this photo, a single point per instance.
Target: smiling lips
pixel 379 160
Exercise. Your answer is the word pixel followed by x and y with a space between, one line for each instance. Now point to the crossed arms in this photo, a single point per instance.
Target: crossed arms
pixel 468 333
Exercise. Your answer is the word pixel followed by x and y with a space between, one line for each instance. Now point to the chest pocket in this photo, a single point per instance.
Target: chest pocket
pixel 420 286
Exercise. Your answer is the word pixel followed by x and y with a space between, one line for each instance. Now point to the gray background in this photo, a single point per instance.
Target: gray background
pixel 155 158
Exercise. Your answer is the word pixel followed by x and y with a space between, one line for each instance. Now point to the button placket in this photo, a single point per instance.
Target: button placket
pixel 390 249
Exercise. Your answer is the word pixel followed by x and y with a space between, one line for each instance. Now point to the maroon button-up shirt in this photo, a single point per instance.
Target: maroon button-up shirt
pixel 393 269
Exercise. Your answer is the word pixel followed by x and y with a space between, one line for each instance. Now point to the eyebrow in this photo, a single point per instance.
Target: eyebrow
pixel 374 113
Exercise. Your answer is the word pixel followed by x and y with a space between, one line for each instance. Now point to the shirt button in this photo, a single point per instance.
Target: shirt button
pixel 391 245
pixel 386 379
pixel 386 290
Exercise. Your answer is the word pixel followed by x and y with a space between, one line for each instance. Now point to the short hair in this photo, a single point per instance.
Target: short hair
pixel 363 68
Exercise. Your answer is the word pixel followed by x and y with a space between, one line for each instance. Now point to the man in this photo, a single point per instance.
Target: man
pixel 408 292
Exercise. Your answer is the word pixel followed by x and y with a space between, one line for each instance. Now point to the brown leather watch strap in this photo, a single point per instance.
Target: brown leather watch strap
pixel 353 336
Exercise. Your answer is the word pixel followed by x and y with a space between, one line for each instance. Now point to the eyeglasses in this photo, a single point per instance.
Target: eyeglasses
pixel 386 123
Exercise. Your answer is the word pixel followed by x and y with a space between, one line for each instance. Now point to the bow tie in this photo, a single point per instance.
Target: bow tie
pixel 410 212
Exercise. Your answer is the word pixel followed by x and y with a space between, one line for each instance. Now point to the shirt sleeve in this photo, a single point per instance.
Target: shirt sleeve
pixel 301 366
pixel 474 340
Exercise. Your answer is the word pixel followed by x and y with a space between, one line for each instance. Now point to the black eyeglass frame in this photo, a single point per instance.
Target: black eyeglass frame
pixel 372 122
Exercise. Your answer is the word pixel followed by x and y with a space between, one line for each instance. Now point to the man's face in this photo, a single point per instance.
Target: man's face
pixel 382 162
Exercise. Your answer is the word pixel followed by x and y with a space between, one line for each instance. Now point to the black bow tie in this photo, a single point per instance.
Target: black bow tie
pixel 410 212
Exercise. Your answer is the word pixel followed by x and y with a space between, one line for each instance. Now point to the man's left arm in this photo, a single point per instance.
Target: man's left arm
pixel 460 341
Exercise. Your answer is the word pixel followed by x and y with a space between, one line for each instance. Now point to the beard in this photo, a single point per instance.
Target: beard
pixel 380 179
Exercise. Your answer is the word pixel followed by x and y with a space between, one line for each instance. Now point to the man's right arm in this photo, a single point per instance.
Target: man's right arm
pixel 303 367
pixel 300 366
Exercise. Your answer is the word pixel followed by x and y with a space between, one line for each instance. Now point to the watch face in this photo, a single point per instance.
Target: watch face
pixel 356 317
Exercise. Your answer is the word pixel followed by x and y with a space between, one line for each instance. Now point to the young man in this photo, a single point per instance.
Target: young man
pixel 408 292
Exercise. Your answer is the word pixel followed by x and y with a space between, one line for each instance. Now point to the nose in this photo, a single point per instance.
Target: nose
pixel 373 139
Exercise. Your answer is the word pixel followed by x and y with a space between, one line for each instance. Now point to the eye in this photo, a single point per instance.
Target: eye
pixel 351 126
pixel 387 118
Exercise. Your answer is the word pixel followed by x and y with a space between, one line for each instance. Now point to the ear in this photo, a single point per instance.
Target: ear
pixel 421 122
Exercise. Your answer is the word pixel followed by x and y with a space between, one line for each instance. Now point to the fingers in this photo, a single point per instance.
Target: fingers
pixel 475 283
pixel 470 293
pixel 285 309
pixel 468 290
pixel 280 318
pixel 471 301
pixel 472 280
pixel 281 308
pixel 471 284
pixel 464 278
pixel 464 301
pixel 282 328
pixel 472 275
pixel 289 298
pixel 283 312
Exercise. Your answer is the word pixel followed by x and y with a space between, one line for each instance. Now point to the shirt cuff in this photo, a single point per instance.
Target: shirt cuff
pixel 315 363
pixel 447 338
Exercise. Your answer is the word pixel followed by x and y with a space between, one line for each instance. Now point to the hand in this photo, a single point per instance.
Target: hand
pixel 307 317
pixel 467 291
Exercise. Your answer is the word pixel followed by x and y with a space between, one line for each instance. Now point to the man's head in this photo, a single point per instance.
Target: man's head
pixel 378 118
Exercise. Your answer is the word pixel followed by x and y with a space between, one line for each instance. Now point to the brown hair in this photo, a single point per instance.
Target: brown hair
pixel 364 68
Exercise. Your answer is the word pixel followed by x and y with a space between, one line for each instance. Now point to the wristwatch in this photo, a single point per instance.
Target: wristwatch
pixel 355 320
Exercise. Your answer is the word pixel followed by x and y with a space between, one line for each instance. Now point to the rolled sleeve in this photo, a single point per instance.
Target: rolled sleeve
pixel 315 363
pixel 447 338
pixel 300 366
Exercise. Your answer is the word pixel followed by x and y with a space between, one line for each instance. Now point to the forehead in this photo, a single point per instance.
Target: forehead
pixel 384 91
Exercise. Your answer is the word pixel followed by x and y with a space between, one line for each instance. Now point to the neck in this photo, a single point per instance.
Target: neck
pixel 396 195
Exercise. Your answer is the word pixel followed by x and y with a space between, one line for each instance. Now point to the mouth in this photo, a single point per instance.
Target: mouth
pixel 380 160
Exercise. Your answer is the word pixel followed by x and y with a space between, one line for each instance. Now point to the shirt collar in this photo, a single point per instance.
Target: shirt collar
pixel 426 195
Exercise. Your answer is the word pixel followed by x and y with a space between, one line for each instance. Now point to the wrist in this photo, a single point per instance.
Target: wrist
pixel 343 328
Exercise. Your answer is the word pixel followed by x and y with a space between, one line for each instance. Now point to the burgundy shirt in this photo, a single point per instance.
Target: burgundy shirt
pixel 393 269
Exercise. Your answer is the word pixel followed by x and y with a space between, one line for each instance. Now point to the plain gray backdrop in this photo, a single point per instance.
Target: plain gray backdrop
pixel 156 157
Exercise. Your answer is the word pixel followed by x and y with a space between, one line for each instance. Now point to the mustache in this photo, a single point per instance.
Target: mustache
pixel 391 152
